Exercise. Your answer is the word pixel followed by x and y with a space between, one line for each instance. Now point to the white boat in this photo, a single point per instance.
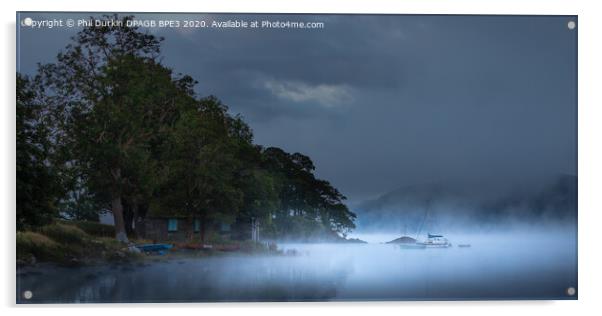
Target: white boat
pixel 435 241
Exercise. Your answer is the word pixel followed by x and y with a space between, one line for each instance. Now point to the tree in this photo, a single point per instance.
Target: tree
pixel 307 204
pixel 201 164
pixel 127 131
pixel 79 203
pixel 38 182
pixel 113 101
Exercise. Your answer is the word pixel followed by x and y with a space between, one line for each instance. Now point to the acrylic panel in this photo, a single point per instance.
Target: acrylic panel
pixel 192 157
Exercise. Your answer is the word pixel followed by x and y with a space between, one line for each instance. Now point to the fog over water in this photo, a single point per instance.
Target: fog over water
pixel 528 264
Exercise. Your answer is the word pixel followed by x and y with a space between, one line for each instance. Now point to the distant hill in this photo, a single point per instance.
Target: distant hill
pixel 413 207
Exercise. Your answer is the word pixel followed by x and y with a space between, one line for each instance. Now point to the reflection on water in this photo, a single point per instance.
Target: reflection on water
pixel 511 266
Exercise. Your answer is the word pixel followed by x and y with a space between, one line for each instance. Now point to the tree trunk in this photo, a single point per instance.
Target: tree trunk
pixel 203 230
pixel 128 215
pixel 117 209
pixel 142 209
pixel 135 221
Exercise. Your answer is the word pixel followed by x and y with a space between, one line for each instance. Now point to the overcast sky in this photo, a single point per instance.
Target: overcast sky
pixel 380 102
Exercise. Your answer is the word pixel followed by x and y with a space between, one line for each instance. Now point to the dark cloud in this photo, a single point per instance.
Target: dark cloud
pixel 385 101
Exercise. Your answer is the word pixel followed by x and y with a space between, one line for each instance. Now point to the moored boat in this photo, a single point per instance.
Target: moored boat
pixel 435 241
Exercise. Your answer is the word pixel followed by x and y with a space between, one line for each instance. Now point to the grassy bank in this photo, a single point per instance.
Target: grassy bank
pixel 71 243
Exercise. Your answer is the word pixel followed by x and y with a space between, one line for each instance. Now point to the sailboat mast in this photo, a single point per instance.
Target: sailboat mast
pixel 426 212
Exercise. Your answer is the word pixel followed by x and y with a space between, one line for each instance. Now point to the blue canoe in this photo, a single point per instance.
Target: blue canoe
pixel 154 247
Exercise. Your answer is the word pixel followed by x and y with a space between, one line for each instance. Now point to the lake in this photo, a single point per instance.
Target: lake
pixel 514 265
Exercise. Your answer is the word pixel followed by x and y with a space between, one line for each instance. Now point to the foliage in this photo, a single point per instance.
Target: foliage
pixel 38 183
pixel 94 228
pixel 201 164
pixel 112 99
pixel 66 244
pixel 318 204
pixel 63 233
pixel 31 243
pixel 127 133
pixel 81 204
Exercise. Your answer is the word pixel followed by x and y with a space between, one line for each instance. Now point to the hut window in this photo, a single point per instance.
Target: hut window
pixel 172 225
pixel 197 225
pixel 225 227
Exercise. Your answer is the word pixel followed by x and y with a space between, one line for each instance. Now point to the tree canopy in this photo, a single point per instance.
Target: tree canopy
pixel 122 129
pixel 38 184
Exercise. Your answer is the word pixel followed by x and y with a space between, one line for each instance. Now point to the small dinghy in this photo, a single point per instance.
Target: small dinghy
pixel 152 248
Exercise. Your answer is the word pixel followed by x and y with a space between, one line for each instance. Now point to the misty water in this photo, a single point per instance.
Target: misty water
pixel 511 265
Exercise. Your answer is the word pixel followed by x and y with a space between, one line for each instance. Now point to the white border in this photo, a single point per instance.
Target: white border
pixel 590 155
